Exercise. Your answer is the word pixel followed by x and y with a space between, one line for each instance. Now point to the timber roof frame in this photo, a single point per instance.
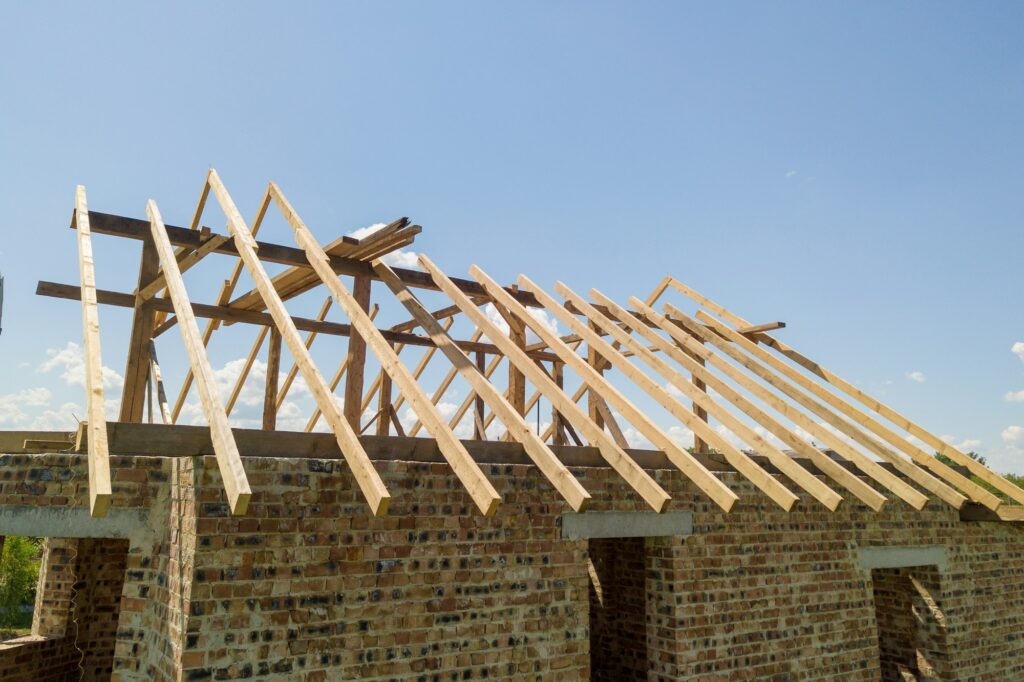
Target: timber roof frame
pixel 664 355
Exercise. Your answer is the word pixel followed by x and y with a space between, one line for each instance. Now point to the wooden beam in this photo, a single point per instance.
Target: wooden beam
pixel 158 283
pixel 236 485
pixel 783 462
pixel 446 382
pixel 712 486
pixel 257 345
pixel 137 365
pixel 99 454
pixel 479 488
pixel 933 465
pixel 638 479
pixel 470 399
pixel 132 228
pixel 556 473
pixel 270 390
pixel 944 448
pixel 157 378
pixel 757 328
pixel 479 432
pixel 685 354
pixel 366 476
pixel 754 473
pixel 356 358
pixel 919 476
pixel 125 300
pixel 294 369
pixel 384 405
pixel 336 379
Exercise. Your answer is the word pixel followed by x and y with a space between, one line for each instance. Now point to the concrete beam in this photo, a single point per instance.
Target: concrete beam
pixel 903 557
pixel 625 524
pixel 74 522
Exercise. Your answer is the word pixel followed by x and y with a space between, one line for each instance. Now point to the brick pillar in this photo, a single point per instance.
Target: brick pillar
pixel 53 593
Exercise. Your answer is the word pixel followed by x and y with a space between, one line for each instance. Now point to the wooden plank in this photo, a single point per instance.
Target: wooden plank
pixel 557 423
pixel 935 467
pixel 157 378
pixel 384 405
pixel 783 462
pixel 336 379
pixel 236 485
pixel 422 364
pixel 270 390
pixel 516 380
pixel 757 328
pixel 912 472
pixel 557 474
pixel 125 300
pixel 477 485
pixel 157 285
pixel 933 441
pixel 294 369
pixel 356 358
pixel 257 345
pixel 764 481
pixel 446 382
pixel 470 399
pixel 99 453
pixel 686 354
pixel 137 365
pixel 634 475
pixel 133 228
pixel 366 476
pixel 479 432
pixel 712 486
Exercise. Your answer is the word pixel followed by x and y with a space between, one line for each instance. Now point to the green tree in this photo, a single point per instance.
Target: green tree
pixel 1015 479
pixel 19 571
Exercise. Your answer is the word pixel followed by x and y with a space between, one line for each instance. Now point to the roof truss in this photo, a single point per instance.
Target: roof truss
pixel 759 396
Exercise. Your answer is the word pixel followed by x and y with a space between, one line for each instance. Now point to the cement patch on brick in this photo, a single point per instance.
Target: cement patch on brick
pixel 576 526
pixel 903 557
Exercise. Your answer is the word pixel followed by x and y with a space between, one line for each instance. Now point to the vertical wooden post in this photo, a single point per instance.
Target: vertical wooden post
pixel 479 432
pixel 137 368
pixel 558 434
pixel 516 380
pixel 270 393
pixel 699 446
pixel 595 360
pixel 356 358
pixel 384 405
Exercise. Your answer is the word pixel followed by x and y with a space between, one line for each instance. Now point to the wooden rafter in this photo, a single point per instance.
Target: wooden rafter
pixel 99 453
pixel 780 460
pixel 236 485
pixel 750 469
pixel 556 473
pixel 637 478
pixel 366 476
pixel 477 485
pixel 908 469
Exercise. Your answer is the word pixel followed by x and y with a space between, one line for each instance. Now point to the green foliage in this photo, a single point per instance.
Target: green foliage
pixel 19 571
pixel 1015 479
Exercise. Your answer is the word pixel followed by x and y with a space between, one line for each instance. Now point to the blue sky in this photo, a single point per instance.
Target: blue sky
pixel 854 169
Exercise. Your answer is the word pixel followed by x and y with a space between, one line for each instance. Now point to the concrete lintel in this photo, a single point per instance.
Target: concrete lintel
pixel 74 522
pixel 625 524
pixel 903 557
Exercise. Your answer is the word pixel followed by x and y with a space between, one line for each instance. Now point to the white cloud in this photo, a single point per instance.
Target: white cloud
pixel 919 377
pixel 962 445
pixel 12 404
pixel 1012 435
pixel 1018 350
pixel 399 259
pixel 791 174
pixel 1014 397
pixel 546 319
pixel 70 359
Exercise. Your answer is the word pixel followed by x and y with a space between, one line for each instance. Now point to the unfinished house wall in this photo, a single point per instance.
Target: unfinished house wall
pixel 308 586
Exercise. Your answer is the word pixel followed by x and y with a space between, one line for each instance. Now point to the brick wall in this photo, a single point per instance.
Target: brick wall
pixel 307 586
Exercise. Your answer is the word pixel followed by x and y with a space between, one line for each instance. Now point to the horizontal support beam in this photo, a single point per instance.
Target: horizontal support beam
pixel 133 228
pixel 178 440
pixel 126 300
pixel 576 526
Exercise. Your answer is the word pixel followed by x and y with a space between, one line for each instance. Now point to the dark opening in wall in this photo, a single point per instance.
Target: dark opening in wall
pixel 911 625
pixel 78 603
pixel 618 609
